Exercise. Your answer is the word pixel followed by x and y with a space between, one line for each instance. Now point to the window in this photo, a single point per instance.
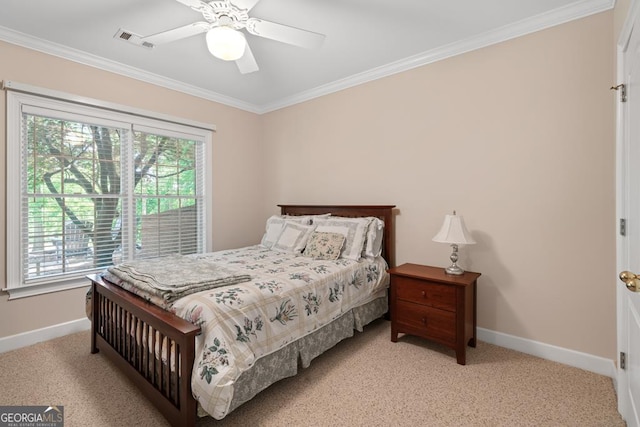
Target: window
pixel 93 187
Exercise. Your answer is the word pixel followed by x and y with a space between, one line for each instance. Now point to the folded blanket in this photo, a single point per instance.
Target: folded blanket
pixel 175 276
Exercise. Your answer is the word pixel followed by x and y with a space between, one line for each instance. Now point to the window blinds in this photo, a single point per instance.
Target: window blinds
pixel 95 190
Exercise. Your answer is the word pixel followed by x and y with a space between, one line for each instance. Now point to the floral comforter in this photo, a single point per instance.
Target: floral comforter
pixel 287 298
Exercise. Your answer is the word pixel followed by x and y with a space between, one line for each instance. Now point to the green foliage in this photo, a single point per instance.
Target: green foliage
pixel 74 172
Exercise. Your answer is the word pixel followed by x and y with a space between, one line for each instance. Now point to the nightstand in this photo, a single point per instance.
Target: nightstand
pixel 427 302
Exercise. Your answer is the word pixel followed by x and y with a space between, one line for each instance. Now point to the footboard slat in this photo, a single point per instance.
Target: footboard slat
pixel 151 366
pixel 162 369
pixel 154 348
pixel 175 385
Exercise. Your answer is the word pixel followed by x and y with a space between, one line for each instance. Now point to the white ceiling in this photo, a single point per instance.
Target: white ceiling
pixel 365 40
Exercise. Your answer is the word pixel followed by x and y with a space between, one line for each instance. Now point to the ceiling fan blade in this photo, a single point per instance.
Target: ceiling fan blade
pixel 247 63
pixel 241 4
pixel 178 33
pixel 194 4
pixel 197 5
pixel 284 33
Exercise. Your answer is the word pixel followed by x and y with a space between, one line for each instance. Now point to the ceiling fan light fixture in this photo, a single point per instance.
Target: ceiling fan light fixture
pixel 226 43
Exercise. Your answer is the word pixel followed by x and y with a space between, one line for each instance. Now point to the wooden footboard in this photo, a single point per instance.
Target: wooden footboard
pixel 154 348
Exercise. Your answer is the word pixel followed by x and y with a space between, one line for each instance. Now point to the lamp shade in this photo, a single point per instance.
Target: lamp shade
pixel 454 231
pixel 226 43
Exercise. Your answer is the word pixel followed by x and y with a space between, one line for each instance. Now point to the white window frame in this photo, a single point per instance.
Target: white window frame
pixel 21 95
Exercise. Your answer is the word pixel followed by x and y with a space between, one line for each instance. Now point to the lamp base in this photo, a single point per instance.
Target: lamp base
pixel 454 270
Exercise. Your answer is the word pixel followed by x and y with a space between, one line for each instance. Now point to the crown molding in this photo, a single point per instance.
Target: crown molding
pixel 81 57
pixel 571 12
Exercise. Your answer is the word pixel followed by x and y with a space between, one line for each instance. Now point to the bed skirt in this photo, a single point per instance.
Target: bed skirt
pixel 284 362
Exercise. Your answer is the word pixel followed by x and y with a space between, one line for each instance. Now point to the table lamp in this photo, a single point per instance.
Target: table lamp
pixel 455 233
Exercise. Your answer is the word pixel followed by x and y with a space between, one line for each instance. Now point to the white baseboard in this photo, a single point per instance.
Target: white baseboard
pixel 33 337
pixel 585 361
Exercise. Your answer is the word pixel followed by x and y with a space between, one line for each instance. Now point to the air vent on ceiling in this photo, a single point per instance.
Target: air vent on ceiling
pixel 132 38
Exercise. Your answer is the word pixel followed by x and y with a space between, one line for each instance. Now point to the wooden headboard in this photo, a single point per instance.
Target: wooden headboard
pixel 384 212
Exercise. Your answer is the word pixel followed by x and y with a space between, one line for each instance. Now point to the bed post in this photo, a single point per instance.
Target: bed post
pixel 95 315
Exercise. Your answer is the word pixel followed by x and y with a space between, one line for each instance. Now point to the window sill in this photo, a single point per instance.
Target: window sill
pixel 45 288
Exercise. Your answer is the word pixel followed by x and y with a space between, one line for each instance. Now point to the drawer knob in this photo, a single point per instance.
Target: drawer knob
pixel 424 294
pixel 424 320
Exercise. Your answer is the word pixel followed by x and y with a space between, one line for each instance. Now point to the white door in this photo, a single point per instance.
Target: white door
pixel 628 172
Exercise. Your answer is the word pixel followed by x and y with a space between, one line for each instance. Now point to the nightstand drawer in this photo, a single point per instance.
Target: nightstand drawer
pixel 426 321
pixel 427 293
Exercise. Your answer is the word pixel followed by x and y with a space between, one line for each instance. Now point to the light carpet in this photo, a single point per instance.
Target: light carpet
pixel 364 381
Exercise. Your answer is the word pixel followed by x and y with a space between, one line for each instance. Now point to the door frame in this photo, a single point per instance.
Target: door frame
pixel 623 203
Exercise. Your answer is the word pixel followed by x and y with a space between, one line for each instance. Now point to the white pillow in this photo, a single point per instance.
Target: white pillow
pixel 353 229
pixel 308 219
pixel 274 226
pixel 373 242
pixel 293 237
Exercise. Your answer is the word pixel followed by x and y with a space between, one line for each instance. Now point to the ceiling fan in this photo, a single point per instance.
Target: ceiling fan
pixel 224 20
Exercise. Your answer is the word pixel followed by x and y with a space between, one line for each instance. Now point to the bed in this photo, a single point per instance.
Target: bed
pixel 157 349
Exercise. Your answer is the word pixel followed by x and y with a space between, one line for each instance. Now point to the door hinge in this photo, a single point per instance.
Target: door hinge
pixel 623 91
pixel 623 227
pixel 623 360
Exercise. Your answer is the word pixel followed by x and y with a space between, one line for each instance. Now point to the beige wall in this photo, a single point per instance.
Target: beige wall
pixel 620 15
pixel 518 138
pixel 237 218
